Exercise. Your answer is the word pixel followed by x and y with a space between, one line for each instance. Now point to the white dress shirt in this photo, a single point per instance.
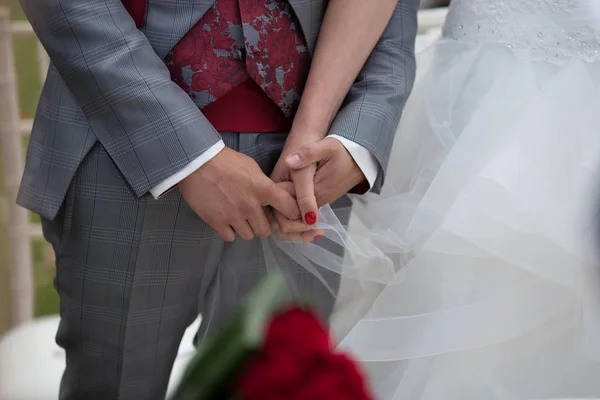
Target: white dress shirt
pixel 363 158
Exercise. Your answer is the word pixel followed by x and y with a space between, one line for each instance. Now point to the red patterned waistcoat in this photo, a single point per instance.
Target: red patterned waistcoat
pixel 244 64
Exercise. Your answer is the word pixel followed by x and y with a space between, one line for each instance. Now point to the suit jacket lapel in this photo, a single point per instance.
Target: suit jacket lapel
pixel 310 15
pixel 168 20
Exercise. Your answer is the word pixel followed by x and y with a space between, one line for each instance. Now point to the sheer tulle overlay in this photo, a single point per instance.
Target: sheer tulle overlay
pixel 491 201
pixel 473 275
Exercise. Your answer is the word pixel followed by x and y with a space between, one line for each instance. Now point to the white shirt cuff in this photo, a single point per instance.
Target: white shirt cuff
pixel 166 185
pixel 362 157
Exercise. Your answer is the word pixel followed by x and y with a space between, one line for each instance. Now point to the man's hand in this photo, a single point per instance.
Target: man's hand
pixel 229 193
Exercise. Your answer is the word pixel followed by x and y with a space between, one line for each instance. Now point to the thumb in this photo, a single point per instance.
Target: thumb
pixel 307 155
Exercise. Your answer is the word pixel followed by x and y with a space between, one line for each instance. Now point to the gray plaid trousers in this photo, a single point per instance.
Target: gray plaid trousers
pixel 133 274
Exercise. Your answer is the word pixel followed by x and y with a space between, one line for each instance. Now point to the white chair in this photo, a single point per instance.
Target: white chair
pixel 430 27
pixel 31 363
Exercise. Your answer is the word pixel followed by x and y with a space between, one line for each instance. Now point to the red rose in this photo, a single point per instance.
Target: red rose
pixel 220 88
pixel 200 83
pixel 252 69
pixel 210 15
pixel 206 55
pixel 184 51
pixel 293 327
pixel 192 49
pixel 284 22
pixel 259 51
pixel 224 69
pixel 289 81
pixel 229 12
pixel 281 45
pixel 297 362
pixel 223 42
pixel 273 90
pixel 222 74
pixel 260 25
pixel 260 381
pixel 276 13
pixel 252 9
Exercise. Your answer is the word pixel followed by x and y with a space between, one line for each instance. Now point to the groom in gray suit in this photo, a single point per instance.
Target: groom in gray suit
pixel 158 127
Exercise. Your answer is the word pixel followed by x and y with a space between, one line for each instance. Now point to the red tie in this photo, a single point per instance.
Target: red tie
pixel 277 57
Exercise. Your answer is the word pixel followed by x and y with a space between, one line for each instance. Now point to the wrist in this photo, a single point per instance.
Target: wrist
pixel 206 169
pixel 311 122
pixel 356 176
pixel 307 133
pixel 297 139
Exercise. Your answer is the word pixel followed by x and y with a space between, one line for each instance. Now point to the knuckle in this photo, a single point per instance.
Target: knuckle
pixel 290 237
pixel 263 233
pixel 227 236
pixel 217 218
pixel 306 201
pixel 288 187
pixel 246 207
pixel 246 236
pixel 307 153
pixel 265 188
pixel 286 226
pixel 224 217
pixel 280 220
pixel 219 225
pixel 280 235
pixel 296 213
pixel 307 237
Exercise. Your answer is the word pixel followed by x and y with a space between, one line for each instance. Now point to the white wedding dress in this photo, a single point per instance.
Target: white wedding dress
pixel 490 212
pixel 474 275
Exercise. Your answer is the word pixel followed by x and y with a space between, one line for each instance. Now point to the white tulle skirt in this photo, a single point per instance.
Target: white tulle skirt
pixel 474 274
pixel 490 212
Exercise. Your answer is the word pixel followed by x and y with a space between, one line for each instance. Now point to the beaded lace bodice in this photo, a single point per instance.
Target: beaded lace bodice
pixel 547 30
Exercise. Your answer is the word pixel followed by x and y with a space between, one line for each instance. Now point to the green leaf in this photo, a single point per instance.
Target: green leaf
pixel 213 370
pixel 261 305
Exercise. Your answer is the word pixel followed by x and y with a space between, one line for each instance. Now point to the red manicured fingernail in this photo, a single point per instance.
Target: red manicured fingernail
pixel 318 237
pixel 310 218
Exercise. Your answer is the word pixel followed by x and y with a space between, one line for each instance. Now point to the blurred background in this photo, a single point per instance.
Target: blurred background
pixel 26 261
pixel 42 258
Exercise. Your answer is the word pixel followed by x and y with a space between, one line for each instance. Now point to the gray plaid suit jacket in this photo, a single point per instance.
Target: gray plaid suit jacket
pixel 107 83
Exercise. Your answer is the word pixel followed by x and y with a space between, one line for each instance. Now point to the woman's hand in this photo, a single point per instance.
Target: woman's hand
pixel 349 33
pixel 303 179
pixel 289 229
pixel 299 183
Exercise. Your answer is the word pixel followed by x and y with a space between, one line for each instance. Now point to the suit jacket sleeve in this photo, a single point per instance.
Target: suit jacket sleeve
pixel 372 109
pixel 150 128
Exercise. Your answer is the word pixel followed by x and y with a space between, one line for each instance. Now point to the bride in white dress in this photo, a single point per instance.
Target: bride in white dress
pixel 490 209
pixel 482 246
